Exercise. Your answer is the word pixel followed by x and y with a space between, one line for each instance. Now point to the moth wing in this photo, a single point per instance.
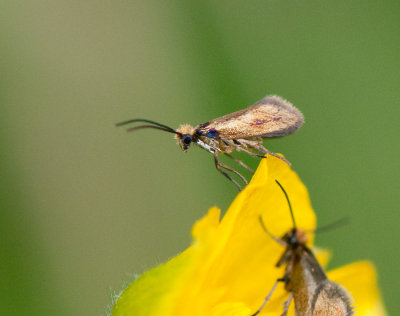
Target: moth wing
pixel 272 116
pixel 331 299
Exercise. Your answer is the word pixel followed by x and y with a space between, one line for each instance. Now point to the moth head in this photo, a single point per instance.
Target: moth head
pixel 184 141
pixel 184 136
pixel 295 237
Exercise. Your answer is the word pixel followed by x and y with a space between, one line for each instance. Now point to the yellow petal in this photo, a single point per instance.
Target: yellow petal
pixel 152 293
pixel 360 281
pixel 230 267
pixel 204 227
pixel 239 263
pixel 231 309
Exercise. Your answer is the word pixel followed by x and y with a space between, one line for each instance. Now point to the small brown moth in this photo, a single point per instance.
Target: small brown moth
pixel 243 130
pixel 313 293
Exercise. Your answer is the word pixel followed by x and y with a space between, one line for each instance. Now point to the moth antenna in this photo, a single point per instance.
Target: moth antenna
pixel 278 240
pixel 290 206
pixel 340 222
pixel 145 121
pixel 152 126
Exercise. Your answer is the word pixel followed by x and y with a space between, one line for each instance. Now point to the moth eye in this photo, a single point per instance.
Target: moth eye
pixel 292 239
pixel 187 139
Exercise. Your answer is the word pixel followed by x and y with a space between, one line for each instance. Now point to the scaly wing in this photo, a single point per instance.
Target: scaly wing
pixel 269 117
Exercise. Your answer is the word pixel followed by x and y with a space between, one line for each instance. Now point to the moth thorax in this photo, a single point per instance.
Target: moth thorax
pixel 301 236
pixel 184 129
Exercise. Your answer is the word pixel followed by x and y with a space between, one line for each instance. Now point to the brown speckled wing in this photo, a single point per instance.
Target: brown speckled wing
pixel 270 117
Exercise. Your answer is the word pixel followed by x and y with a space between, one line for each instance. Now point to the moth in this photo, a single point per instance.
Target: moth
pixel 244 130
pixel 313 293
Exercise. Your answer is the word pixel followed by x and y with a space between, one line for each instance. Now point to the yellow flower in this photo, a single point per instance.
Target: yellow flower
pixel 230 267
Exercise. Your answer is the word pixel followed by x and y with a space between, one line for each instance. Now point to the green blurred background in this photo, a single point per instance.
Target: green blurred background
pixel 85 206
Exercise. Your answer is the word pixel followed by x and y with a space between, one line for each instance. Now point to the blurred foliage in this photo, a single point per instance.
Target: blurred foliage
pixel 84 205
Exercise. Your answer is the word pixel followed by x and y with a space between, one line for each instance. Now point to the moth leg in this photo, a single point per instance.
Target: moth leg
pixel 267 298
pixel 219 165
pixel 286 305
pixel 264 150
pixel 234 171
pixel 240 147
pixel 240 162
